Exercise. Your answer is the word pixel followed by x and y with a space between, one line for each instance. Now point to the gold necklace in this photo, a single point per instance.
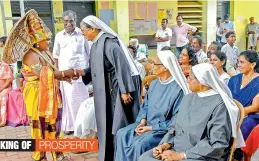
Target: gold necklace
pixel 250 79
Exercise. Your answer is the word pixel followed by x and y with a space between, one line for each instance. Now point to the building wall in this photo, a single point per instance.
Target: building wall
pixel 9 24
pixel 240 12
pixel 57 9
pixel 120 9
pixel 106 5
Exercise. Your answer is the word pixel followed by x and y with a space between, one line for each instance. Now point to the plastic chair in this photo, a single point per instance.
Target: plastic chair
pixel 146 81
pixel 242 115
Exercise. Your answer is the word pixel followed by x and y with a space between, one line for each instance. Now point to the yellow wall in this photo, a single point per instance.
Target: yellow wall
pixel 9 23
pixel 241 11
pixel 170 5
pixel 111 5
pixel 57 7
pixel 122 20
pixel 204 20
pixel 160 5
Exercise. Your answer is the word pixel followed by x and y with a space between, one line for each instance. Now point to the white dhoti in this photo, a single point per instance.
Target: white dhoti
pixel 252 39
pixel 72 97
pixel 85 121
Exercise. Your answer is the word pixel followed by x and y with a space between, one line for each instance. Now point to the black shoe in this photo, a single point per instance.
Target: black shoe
pixel 68 132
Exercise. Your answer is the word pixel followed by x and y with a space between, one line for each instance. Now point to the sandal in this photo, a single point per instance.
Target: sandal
pixel 62 158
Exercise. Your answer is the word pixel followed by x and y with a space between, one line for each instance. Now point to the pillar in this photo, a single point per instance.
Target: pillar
pixel 122 19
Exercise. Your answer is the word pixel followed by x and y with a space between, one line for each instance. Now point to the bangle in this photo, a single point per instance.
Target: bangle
pixel 63 74
pixel 75 72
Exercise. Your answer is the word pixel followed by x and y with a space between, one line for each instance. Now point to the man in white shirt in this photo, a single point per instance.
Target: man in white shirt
pixel 140 67
pixel 252 30
pixel 218 34
pixel 196 44
pixel 226 26
pixel 71 51
pixel 163 35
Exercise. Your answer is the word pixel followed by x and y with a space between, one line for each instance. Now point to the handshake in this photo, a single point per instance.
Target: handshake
pixel 69 75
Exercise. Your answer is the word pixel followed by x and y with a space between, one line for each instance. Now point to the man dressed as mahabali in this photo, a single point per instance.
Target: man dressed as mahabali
pixel 29 39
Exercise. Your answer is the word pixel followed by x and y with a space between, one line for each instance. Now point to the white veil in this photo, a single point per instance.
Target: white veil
pixel 207 75
pixel 170 61
pixel 99 24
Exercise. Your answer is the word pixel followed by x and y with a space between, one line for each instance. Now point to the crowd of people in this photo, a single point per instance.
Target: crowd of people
pixel 175 106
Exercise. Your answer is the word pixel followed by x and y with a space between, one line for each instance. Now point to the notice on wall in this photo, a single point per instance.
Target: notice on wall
pixel 144 27
pixel 169 15
pixel 160 15
pixel 139 26
pixel 153 25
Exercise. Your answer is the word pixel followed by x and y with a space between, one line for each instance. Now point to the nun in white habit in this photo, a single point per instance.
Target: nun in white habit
pixel 206 121
pixel 158 111
pixel 116 83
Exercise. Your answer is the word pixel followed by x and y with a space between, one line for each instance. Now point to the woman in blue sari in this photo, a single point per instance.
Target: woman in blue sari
pixel 158 110
pixel 245 89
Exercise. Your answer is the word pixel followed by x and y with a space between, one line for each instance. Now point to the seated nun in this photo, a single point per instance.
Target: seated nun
pixel 158 110
pixel 206 121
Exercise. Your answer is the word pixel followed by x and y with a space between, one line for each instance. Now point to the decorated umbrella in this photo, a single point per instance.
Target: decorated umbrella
pixel 22 38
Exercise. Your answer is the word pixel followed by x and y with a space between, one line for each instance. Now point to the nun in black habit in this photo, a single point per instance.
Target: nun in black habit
pixel 116 83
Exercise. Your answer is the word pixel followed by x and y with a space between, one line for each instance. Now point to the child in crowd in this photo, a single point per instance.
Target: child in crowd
pixel 231 51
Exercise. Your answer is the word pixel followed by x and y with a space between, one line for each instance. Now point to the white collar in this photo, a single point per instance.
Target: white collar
pixel 199 52
pixel 207 93
pixel 231 46
pixel 181 24
pixel 97 36
pixel 76 31
pixel 163 30
pixel 165 82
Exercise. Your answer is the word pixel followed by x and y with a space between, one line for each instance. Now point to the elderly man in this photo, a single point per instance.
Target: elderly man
pixel 252 30
pixel 141 68
pixel 141 50
pixel 180 31
pixel 71 51
pixel 213 48
pixel 226 26
pixel 196 44
pixel 163 35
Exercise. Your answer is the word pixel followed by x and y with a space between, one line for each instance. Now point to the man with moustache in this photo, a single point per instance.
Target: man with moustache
pixel 181 31
pixel 213 48
pixel 71 51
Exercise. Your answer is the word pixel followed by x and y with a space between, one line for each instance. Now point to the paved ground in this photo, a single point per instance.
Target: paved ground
pixel 23 132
